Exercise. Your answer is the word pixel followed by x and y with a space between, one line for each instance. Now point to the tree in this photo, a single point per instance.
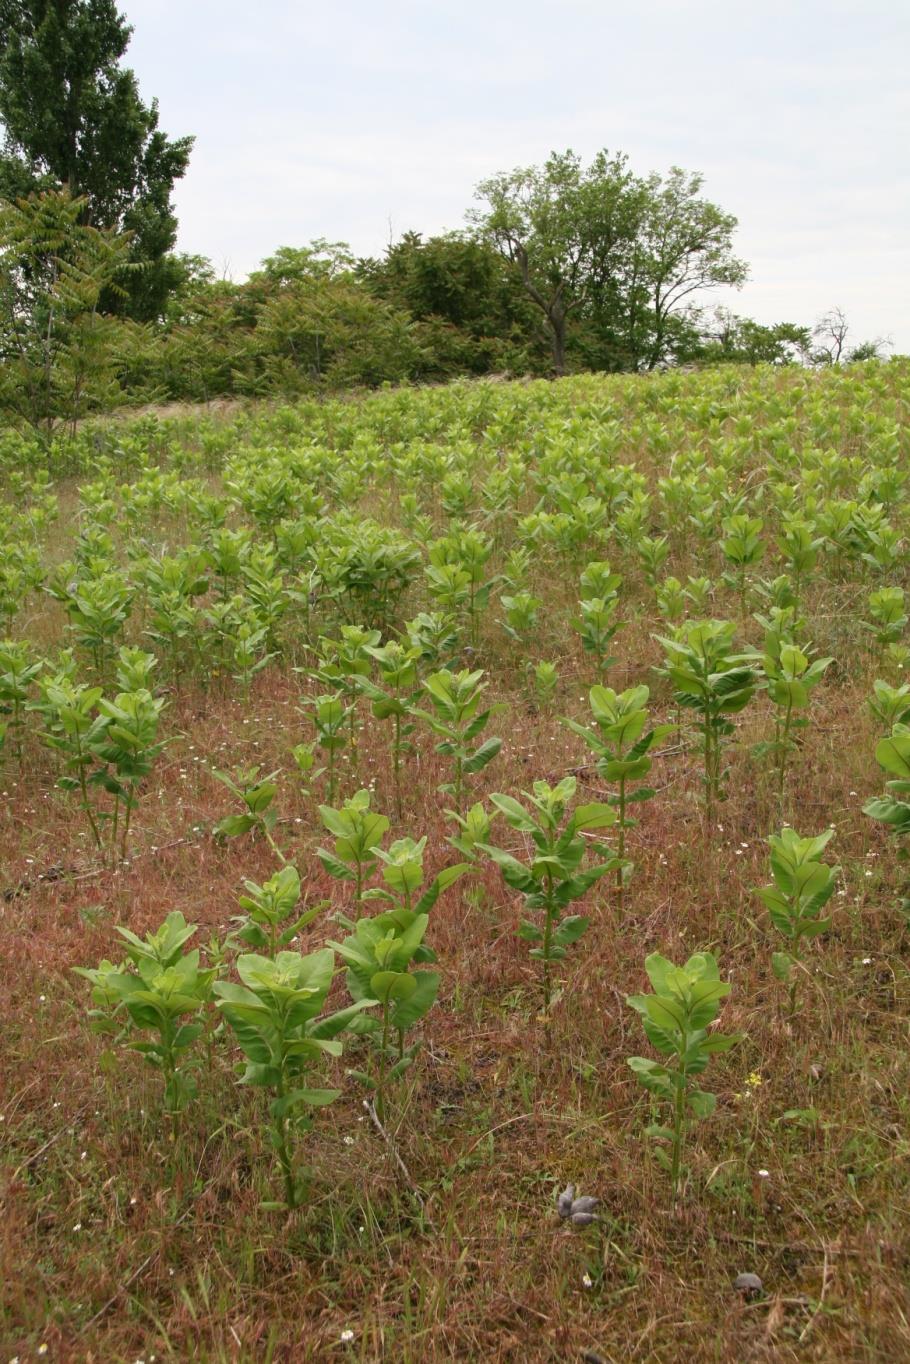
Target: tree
pixel 58 351
pixel 565 230
pixel 330 331
pixel 684 246
pixel 830 335
pixel 73 118
pixel 291 264
pixel 472 311
pixel 620 256
pixel 730 339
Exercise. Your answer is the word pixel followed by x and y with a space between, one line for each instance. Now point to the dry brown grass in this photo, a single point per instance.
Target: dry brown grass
pixel 502 1109
pixel 126 1237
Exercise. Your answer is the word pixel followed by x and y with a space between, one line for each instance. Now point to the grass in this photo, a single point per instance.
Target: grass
pixel 126 1235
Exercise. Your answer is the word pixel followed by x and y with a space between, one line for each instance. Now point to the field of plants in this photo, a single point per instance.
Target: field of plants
pixel 452 902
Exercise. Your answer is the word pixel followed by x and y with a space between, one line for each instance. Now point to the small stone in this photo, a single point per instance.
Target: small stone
pixel 750 1285
pixel 578 1211
pixel 583 1213
pixel 564 1201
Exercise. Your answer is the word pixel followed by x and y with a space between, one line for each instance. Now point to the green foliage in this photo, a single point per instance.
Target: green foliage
pixel 128 745
pixel 889 705
pixel 893 810
pixel 456 575
pixel 304 756
pixel 72 729
pixel 597 626
pixel 98 607
pixel 60 351
pixel 267 908
pixel 366 569
pixel 435 635
pixel 152 991
pixel 474 829
pixel 803 885
pixel 274 1014
pixel 743 548
pixel 652 554
pixel 472 314
pixel 458 719
pixel 344 664
pixel 714 682
pixel 358 831
pixel 379 954
pixel 800 547
pixel 546 680
pixel 73 118
pixel 671 599
pixel 330 715
pixel 521 618
pixel 730 339
pixel 403 875
pixel 554 875
pixel 621 251
pixel 17 673
pixel 888 616
pixel 622 747
pixel 248 641
pixel 394 699
pixel 105 744
pixel 676 1017
pixel 257 795
pixel 790 679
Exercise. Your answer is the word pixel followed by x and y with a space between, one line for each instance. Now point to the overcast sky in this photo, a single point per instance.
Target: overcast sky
pixel 353 120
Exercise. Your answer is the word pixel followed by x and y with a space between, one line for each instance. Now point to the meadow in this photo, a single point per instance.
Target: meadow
pixel 452 894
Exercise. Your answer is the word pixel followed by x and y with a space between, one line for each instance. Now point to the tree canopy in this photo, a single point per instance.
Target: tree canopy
pixel 618 255
pixel 73 118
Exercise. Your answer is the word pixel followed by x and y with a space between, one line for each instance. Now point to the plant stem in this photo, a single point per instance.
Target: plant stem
pixel 622 839
pixel 274 846
pixel 547 941
pixel 784 749
pixel 280 1129
pixel 380 1093
pixel 679 1117
pixel 83 787
pixel 396 763
pixel 126 828
pixel 114 826
pixel 458 782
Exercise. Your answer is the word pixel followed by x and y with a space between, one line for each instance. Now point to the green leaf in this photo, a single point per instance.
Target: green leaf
pixel 701 1103
pixel 483 755
pixel 389 985
pixel 570 930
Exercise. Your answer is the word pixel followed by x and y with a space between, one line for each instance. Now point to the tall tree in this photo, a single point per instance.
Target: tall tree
pixel 58 351
pixel 472 311
pixel 566 231
pixel 726 338
pixel 73 118
pixel 683 247
pixel 614 254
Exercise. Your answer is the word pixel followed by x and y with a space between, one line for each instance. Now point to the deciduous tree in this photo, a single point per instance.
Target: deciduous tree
pixel 73 118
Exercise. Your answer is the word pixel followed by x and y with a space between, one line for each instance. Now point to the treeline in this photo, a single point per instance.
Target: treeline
pixel 562 267
pixel 311 318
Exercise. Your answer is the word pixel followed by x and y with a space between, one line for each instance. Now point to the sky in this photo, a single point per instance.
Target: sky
pixel 358 121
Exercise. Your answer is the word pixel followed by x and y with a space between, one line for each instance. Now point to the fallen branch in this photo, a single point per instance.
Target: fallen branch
pixel 396 1157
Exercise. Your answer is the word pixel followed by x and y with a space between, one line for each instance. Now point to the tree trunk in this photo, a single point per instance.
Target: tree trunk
pixel 557 320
